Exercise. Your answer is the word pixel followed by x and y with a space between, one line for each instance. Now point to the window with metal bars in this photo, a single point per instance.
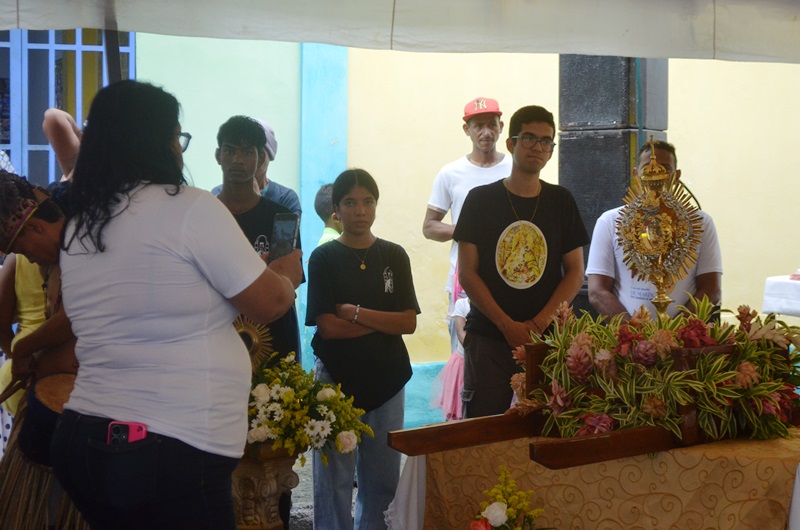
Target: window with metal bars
pixel 50 68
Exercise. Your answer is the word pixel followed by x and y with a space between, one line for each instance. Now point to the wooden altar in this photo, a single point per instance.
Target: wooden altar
pixel 637 478
pixel 727 484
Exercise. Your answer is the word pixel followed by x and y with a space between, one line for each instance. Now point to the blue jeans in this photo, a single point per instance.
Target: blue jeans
pixel 155 483
pixel 378 467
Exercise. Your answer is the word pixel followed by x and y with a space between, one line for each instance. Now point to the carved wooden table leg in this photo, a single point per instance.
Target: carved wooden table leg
pixel 262 476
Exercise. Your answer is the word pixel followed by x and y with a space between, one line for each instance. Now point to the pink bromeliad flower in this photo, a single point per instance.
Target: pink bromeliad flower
pixel 596 424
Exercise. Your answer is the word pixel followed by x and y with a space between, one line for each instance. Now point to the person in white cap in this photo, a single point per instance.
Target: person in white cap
pixel 269 188
pixel 483 165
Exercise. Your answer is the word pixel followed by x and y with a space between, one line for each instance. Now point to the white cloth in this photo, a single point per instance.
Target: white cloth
pixel 782 295
pixel 155 340
pixel 605 258
pixel 407 510
pixel 450 189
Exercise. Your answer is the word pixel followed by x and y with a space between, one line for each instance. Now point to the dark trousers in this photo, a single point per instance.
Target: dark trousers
pixel 488 367
pixel 156 483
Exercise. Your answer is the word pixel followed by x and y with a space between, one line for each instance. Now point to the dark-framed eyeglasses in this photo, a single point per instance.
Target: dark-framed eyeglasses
pixel 529 140
pixel 183 139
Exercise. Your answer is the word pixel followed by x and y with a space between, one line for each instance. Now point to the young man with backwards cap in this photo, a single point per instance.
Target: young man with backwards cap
pixel 269 188
pixel 483 165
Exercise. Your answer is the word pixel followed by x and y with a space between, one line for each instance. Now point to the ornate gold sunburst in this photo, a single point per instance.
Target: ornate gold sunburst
pixel 659 230
pixel 257 338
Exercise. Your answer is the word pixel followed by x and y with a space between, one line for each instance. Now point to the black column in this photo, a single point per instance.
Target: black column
pixel 607 107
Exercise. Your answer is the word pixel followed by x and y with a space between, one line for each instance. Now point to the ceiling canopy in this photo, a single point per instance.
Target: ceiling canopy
pixel 754 30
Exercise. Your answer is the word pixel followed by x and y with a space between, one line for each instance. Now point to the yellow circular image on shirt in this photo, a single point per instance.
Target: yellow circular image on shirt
pixel 521 254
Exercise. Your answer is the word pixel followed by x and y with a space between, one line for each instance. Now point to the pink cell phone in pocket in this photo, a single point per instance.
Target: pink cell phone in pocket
pixel 121 432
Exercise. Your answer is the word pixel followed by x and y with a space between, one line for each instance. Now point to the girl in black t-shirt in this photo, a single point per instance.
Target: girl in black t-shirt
pixel 361 298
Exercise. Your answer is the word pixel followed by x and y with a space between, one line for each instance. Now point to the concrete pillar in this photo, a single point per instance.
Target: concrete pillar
pixel 608 106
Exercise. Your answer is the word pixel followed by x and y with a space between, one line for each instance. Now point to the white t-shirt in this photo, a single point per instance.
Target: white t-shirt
pixel 155 340
pixel 450 189
pixel 605 257
pixel 461 309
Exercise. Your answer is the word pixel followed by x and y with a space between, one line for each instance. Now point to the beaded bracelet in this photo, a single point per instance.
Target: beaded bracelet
pixel 355 317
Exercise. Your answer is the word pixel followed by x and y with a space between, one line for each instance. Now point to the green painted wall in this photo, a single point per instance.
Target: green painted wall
pixel 215 79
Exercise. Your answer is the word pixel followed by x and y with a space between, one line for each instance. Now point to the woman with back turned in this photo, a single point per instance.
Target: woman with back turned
pixel 153 274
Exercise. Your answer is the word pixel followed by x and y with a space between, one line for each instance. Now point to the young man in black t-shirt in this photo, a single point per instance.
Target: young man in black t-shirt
pixel 241 145
pixel 516 264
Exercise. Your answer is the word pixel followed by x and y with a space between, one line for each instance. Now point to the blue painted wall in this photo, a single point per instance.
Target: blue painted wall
pixel 323 147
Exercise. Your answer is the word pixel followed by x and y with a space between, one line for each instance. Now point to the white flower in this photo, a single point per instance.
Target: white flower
pixel 322 409
pixel 325 394
pixel 290 358
pixel 324 429
pixel 313 428
pixel 348 441
pixel 318 443
pixel 261 393
pixel 259 434
pixel 276 410
pixel 496 514
pixel 277 391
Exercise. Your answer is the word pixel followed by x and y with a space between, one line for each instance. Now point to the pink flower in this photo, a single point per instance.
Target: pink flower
pixel 596 424
pixel 606 364
pixel 625 338
pixel 518 385
pixel 560 401
pixel 563 314
pixel 639 317
pixel 695 334
pixel 786 396
pixel 664 341
pixel 747 375
pixel 645 353
pixel 579 358
pixel 654 407
pixel 768 407
pixel 520 354
pixel 746 317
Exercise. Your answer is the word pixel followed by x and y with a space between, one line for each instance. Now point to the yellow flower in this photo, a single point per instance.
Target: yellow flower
pixel 288 405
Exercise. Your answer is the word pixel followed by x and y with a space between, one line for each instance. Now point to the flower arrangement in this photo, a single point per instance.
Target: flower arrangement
pixel 296 411
pixel 599 376
pixel 507 507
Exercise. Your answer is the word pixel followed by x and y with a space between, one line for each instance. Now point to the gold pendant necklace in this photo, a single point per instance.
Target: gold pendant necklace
pixel 362 260
pixel 538 198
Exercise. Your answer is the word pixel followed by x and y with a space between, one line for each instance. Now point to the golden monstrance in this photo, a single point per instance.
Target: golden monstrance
pixel 659 230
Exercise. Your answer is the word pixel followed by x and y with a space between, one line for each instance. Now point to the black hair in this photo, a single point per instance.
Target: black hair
pixel 129 139
pixel 530 114
pixel 658 144
pixel 243 130
pixel 349 179
pixel 323 202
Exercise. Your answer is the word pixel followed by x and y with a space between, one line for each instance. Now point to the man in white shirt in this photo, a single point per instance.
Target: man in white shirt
pixel 612 286
pixel 483 165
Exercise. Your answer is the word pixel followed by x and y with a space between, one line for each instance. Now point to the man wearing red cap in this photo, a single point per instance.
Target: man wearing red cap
pixel 483 165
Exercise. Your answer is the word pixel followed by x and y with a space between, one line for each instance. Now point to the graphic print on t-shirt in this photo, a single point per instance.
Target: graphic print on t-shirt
pixel 521 254
pixel 261 245
pixel 388 280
